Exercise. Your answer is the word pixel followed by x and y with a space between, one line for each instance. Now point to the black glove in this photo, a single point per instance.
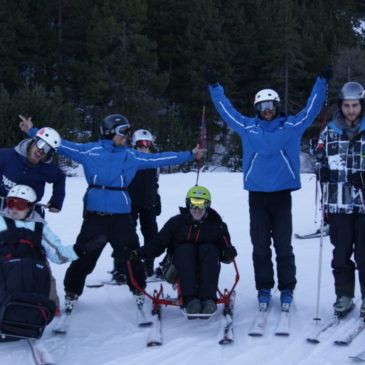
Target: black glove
pixel 228 254
pixel 134 255
pixel 327 72
pixel 357 179
pixel 158 205
pixel 90 246
pixel 210 76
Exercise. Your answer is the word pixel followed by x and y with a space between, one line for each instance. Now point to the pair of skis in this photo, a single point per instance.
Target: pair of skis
pixel 154 337
pixel 260 322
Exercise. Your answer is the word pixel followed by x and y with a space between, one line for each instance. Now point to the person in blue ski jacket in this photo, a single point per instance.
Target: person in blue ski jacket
pixel 271 170
pixel 27 163
pixel 109 166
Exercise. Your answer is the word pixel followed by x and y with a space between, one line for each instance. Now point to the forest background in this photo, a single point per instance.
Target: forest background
pixel 69 63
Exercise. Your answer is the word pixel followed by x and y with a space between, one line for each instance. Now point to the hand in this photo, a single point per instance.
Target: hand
pixel 327 72
pixel 324 174
pixel 26 123
pixel 133 256
pixel 228 254
pixel 51 208
pixel 198 152
pixel 357 179
pixel 85 248
pixel 210 76
pixel 157 205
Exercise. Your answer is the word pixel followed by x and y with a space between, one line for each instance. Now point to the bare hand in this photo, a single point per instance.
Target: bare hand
pixel 52 209
pixel 26 123
pixel 199 152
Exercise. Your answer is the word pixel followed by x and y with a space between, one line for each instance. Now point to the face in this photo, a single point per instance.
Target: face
pixel 267 109
pixel 18 208
pixel 351 109
pixel 18 214
pixel 120 140
pixel 35 155
pixel 268 114
pixel 197 214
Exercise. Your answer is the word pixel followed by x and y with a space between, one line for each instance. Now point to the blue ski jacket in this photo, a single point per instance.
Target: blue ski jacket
pixel 113 166
pixel 270 148
pixel 16 169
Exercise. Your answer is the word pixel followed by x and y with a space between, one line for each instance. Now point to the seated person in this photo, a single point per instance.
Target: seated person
pixel 198 240
pixel 25 244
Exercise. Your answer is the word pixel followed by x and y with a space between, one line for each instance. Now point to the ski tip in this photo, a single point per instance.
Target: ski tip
pixel 145 324
pixel 154 343
pixel 282 334
pixel 312 340
pixel 341 343
pixel 226 341
pixel 59 332
pixel 255 334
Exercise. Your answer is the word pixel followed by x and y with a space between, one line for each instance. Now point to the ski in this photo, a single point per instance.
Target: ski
pixel 228 321
pixel 142 314
pixel 155 335
pixel 63 321
pixel 315 234
pixel 334 322
pixel 283 325
pixel 100 284
pixel 350 335
pixel 359 357
pixel 40 353
pixel 259 324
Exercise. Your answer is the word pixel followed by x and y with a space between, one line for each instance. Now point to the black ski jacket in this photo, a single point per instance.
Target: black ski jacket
pixel 182 229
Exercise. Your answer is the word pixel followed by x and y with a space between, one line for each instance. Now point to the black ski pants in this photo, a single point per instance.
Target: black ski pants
pixel 120 233
pixel 271 221
pixel 347 234
pixel 198 269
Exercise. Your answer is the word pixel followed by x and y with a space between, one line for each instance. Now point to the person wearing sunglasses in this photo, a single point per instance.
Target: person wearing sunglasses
pixel 26 241
pixel 271 168
pixel 109 167
pixel 30 163
pixel 146 203
pixel 198 240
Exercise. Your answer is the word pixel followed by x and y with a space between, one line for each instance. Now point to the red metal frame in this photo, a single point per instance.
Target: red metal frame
pixel 157 296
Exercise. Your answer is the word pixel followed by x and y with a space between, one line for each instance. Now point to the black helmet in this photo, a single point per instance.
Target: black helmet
pixel 107 127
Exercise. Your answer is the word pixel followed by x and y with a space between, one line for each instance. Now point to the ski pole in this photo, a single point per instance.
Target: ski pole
pixel 201 143
pixel 324 195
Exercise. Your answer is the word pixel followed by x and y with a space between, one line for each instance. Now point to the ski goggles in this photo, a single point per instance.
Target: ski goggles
pixel 44 147
pixel 199 203
pixel 266 105
pixel 146 144
pixel 122 130
pixel 18 203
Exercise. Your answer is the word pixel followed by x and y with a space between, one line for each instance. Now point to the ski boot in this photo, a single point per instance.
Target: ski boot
pixel 343 306
pixel 264 296
pixel 70 300
pixel 208 306
pixel 118 277
pixel 192 306
pixel 286 298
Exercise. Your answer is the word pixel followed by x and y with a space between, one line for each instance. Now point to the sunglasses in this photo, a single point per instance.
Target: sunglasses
pixel 201 204
pixel 18 203
pixel 146 144
pixel 43 146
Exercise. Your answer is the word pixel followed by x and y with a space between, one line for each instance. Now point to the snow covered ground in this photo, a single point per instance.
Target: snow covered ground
pixel 104 330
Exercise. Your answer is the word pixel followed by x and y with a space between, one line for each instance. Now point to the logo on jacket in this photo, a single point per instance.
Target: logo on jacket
pixel 8 183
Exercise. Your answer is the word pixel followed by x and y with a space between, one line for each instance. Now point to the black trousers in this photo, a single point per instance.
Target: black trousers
pixel 120 233
pixel 347 234
pixel 198 268
pixel 271 222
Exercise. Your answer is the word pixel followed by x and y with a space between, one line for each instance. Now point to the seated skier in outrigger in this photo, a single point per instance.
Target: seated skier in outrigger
pixel 26 242
pixel 197 240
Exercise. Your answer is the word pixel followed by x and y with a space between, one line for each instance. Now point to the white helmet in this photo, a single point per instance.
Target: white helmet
pixel 141 135
pixel 266 95
pixel 50 136
pixel 23 192
pixel 351 90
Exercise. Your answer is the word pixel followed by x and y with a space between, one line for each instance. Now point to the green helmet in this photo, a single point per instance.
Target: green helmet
pixel 198 192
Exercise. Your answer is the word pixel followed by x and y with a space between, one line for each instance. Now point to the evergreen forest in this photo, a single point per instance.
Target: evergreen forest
pixel 69 63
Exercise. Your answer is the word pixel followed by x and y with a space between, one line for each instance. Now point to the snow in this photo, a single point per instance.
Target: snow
pixel 104 331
